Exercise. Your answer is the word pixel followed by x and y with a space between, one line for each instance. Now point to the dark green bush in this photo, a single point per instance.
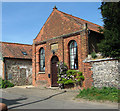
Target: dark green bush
pixel 5 83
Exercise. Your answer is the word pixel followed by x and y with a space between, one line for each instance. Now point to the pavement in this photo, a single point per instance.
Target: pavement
pixel 29 97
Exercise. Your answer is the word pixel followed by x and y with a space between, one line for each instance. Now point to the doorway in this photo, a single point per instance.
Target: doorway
pixel 54 71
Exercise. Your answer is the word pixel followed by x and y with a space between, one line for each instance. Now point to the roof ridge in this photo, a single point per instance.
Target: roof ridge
pixel 79 18
pixel 15 43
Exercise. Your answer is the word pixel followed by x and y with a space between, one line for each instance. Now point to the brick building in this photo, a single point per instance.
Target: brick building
pixel 16 63
pixel 65 38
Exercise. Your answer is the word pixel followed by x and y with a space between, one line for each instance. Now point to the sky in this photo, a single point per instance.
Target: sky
pixel 22 21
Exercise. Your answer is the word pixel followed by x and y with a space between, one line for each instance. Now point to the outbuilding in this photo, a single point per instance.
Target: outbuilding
pixel 16 63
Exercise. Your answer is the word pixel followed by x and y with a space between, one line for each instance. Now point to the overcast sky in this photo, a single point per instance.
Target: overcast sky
pixel 22 21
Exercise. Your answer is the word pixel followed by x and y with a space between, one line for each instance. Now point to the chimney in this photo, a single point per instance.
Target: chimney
pixel 54 7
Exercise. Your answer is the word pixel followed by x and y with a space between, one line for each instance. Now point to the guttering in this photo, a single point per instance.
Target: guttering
pixel 17 58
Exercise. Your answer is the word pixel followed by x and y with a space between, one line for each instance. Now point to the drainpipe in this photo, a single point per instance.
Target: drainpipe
pixel 35 62
pixel 34 55
pixel 86 34
pixel 4 69
pixel 63 48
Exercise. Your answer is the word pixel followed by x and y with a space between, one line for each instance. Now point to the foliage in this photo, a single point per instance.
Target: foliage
pixel 79 77
pixel 5 83
pixel 62 68
pixel 93 54
pixel 71 72
pixel 63 76
pixel 105 93
pixel 110 45
pixel 66 77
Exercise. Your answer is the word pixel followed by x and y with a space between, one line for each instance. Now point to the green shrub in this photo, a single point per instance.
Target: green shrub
pixel 66 77
pixel 0 82
pixel 71 72
pixel 70 81
pixel 79 73
pixel 5 83
pixel 93 54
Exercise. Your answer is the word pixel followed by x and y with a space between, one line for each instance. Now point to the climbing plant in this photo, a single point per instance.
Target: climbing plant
pixel 68 77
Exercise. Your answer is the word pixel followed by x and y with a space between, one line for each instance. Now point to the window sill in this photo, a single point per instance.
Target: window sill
pixel 41 72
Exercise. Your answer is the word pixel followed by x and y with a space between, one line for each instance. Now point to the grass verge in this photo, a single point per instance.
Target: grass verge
pixel 104 94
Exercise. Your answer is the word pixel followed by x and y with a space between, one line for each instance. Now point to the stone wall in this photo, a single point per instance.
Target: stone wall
pixel 19 71
pixel 105 73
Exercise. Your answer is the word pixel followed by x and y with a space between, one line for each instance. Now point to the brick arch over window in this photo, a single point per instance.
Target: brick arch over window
pixel 73 54
pixel 42 59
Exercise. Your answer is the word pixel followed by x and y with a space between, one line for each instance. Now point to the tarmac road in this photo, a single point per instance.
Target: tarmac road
pixel 42 98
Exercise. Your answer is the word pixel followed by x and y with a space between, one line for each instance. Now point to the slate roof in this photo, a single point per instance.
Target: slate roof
pixel 16 50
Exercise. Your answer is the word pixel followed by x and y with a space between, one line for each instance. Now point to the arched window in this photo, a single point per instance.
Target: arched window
pixel 73 55
pixel 42 59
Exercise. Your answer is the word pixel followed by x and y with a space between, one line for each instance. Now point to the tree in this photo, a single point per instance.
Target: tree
pixel 110 45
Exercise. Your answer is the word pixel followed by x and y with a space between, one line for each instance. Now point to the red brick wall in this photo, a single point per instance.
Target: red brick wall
pixel 82 54
pixel 88 75
pixel 57 24
pixel 63 43
pixel 48 56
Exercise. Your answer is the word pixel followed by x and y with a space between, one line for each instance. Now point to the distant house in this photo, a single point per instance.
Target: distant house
pixel 65 38
pixel 16 63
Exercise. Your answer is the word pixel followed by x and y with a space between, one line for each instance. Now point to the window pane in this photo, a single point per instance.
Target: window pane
pixel 75 50
pixel 41 57
pixel 41 63
pixel 72 63
pixel 71 58
pixel 72 67
pixel 75 44
pixel 75 66
pixel 43 68
pixel 40 51
pixel 42 60
pixel 73 55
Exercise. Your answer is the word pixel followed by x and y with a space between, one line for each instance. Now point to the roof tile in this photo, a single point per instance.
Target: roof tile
pixel 79 21
pixel 14 50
